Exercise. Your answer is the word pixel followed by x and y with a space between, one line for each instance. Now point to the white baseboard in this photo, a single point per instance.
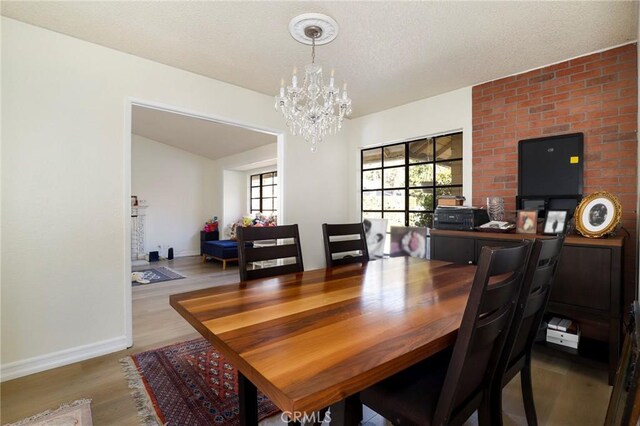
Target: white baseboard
pixel 24 367
pixel 188 253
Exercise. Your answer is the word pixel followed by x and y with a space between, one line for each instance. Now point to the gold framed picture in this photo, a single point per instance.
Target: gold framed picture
pixel 527 222
pixel 598 214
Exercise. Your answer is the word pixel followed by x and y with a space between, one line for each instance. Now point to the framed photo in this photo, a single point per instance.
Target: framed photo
pixel 556 222
pixel 375 231
pixel 134 201
pixel 527 222
pixel 408 241
pixel 598 214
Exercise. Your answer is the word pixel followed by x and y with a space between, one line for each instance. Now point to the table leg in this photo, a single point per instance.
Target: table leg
pixel 248 396
pixel 347 412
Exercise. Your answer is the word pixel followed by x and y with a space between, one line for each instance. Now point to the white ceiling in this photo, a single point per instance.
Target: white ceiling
pixel 198 136
pixel 390 53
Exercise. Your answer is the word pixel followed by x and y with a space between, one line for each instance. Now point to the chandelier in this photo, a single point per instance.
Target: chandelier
pixel 312 109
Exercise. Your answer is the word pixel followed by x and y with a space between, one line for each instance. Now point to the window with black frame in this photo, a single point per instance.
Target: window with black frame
pixel 263 190
pixel 401 182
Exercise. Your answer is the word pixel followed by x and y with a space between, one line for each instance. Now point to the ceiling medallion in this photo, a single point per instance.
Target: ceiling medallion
pixel 312 109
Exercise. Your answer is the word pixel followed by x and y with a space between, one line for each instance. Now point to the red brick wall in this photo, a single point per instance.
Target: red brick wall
pixel 595 94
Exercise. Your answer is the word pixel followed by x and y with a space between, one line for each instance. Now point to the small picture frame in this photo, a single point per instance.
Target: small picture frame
pixel 527 222
pixel 556 222
pixel 598 214
pixel 134 201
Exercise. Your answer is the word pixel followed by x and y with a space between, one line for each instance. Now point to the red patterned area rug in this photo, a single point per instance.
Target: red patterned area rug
pixel 189 383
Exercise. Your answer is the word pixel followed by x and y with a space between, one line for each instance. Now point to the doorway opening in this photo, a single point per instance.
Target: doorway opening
pixel 184 169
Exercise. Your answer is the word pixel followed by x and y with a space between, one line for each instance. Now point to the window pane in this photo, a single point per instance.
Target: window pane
pixel 421 175
pixel 372 215
pixel 394 200
pixel 394 178
pixel 421 199
pixel 372 158
pixel 449 173
pixel 393 155
pixel 372 200
pixel 405 179
pixel 263 190
pixel 372 179
pixel 394 219
pixel 449 146
pixel 421 219
pixel 421 151
pixel 448 191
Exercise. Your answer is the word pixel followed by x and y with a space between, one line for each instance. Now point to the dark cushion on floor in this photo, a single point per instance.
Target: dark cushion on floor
pixel 410 397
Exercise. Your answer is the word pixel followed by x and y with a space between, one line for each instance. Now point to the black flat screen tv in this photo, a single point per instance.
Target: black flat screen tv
pixel 551 166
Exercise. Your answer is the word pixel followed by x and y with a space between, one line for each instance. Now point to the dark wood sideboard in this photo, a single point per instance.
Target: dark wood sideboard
pixel 587 287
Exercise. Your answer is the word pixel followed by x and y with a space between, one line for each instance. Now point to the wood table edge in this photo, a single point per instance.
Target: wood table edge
pixel 274 394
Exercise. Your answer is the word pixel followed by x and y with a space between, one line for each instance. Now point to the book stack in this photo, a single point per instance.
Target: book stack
pixel 451 200
pixel 563 333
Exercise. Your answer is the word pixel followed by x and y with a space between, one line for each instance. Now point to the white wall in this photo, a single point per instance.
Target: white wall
pixel 66 187
pixel 235 184
pixel 178 188
pixel 446 113
pixel 319 181
pixel 235 198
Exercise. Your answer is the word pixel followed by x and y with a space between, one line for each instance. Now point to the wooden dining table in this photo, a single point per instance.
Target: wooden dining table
pixel 312 339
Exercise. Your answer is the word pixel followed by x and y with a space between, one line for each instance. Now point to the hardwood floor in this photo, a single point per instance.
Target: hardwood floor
pixel 567 391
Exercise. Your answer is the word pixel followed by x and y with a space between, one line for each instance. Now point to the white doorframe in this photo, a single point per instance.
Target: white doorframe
pixel 129 103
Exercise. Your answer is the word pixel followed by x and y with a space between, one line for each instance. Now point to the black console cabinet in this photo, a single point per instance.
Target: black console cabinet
pixel 587 287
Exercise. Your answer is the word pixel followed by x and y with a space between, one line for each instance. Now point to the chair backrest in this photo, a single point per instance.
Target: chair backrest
pixel 482 333
pixel 345 243
pixel 532 302
pixel 624 405
pixel 278 256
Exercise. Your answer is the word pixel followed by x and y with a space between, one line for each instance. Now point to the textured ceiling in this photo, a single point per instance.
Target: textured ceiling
pixel 390 53
pixel 197 136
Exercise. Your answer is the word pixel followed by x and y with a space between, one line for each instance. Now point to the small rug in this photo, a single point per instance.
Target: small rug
pixel 77 413
pixel 154 275
pixel 188 384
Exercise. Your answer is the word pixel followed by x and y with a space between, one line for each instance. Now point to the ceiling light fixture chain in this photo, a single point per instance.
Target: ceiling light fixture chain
pixel 313 109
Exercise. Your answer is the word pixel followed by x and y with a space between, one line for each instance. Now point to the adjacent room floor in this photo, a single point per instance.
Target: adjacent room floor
pixel 568 390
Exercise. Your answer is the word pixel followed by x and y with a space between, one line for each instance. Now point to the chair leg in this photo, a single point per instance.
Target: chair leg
pixel 527 393
pixel 484 412
pixel 496 405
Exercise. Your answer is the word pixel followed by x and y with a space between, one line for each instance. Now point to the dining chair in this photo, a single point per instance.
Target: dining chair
pixel 340 243
pixel 530 309
pixel 448 387
pixel 281 254
pixel 624 404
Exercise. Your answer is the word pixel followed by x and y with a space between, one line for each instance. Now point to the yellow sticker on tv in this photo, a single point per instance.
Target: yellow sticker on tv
pixel 574 160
